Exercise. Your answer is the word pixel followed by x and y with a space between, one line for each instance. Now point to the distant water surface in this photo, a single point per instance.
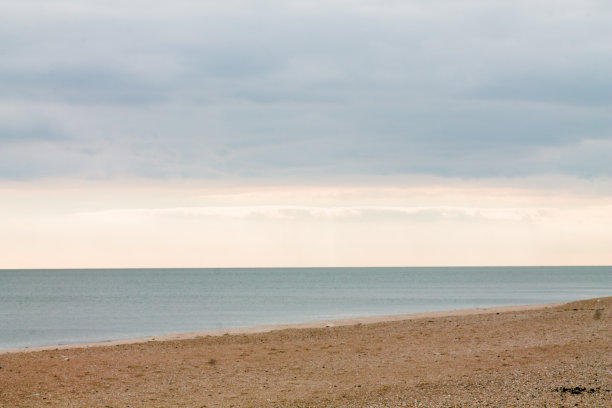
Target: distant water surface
pixel 46 307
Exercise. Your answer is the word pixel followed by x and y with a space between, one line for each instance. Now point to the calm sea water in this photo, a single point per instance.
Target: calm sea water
pixel 46 307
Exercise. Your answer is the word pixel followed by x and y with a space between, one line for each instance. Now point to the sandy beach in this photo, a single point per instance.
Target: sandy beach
pixel 520 356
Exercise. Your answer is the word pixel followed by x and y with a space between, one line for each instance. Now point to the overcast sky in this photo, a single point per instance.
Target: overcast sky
pixel 468 95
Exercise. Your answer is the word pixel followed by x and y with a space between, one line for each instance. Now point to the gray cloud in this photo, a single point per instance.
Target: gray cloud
pixel 27 133
pixel 580 88
pixel 311 90
pixel 78 85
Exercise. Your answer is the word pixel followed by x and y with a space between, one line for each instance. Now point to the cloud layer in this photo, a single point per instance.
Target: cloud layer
pixel 311 213
pixel 305 90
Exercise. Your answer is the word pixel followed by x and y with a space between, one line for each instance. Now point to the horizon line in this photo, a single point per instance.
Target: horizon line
pixel 308 267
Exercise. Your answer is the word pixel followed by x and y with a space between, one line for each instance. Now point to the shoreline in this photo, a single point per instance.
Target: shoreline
pixel 553 355
pixel 277 327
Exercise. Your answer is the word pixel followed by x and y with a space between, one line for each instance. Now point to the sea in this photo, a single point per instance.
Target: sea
pixel 65 306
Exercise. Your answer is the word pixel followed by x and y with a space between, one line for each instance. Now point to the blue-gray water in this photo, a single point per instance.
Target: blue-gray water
pixel 45 307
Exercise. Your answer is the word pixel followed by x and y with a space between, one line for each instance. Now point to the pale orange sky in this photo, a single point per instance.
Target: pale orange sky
pixel 441 223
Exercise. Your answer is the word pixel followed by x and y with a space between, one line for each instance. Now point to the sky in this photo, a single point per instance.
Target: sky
pixel 305 133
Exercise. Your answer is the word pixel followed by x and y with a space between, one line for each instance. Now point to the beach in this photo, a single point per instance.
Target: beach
pixel 541 355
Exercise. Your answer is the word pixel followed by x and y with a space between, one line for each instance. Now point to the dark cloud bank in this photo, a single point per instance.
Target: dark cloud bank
pixel 453 89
